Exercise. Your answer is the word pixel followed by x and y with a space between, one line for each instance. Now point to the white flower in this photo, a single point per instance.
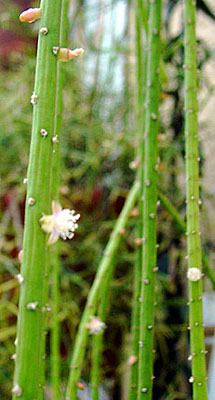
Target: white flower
pixel 62 223
pixel 95 326
pixel 194 274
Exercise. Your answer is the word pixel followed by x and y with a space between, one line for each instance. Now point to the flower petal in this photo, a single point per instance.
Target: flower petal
pixel 53 237
pixel 56 207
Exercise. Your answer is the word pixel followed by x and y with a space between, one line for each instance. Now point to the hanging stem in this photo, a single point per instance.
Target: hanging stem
pixel 97 342
pixel 149 197
pixel 104 271
pixel 141 84
pixel 55 331
pixel 198 378
pixel 29 371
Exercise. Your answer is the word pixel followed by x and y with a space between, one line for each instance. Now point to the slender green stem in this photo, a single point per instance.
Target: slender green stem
pixel 193 224
pixel 97 342
pixel 149 197
pixel 141 84
pixel 29 371
pixel 181 224
pixel 105 270
pixel 55 331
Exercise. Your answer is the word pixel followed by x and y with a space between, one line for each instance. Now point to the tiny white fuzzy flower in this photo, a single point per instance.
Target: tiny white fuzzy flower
pixel 17 390
pixel 194 274
pixel 62 223
pixel 95 326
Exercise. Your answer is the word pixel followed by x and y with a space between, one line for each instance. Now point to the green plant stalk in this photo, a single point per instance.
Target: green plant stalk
pixel 55 330
pixel 181 224
pixel 193 224
pixel 105 270
pixel 149 198
pixel 55 296
pixel 29 370
pixel 141 84
pixel 97 342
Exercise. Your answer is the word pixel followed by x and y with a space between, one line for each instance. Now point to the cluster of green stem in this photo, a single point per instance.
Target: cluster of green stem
pixel 198 378
pixel 41 189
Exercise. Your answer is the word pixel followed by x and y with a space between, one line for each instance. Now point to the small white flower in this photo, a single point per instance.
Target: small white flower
pixel 194 274
pixel 95 326
pixel 62 223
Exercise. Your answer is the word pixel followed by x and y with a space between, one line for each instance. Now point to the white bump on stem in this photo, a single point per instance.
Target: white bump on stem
pixel 32 305
pixel 31 201
pixel 34 99
pixel 194 274
pixel 20 256
pixel 191 379
pixel 153 116
pixel 43 132
pixel 20 279
pixel 25 181
pixel 13 357
pixel 144 390
pixel 55 50
pixel 44 30
pixel 55 139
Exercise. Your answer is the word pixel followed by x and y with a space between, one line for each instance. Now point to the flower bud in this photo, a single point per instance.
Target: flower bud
pixel 30 15
pixel 194 274
pixel 65 54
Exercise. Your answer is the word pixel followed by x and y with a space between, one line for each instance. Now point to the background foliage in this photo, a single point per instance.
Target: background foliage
pixel 99 143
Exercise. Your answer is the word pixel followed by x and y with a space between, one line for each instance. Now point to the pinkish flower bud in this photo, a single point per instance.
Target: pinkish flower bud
pixel 95 326
pixel 65 55
pixel 30 15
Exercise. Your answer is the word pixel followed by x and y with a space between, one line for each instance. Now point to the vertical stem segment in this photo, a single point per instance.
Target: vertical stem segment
pixel 104 272
pixel 192 178
pixel 141 84
pixel 149 197
pixel 55 297
pixel 29 371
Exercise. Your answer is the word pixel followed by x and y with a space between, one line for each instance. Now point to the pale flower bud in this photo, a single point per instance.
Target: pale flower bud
pixel 65 54
pixel 95 326
pixel 194 274
pixel 30 15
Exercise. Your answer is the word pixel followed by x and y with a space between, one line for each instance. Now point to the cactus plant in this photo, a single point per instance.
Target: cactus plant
pixel 42 182
pixel 149 198
pixel 198 378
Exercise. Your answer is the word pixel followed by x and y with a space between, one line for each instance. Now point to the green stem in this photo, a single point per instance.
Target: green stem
pixel 193 224
pixel 105 270
pixel 55 331
pixel 141 84
pixel 181 224
pixel 29 371
pixel 149 198
pixel 97 342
